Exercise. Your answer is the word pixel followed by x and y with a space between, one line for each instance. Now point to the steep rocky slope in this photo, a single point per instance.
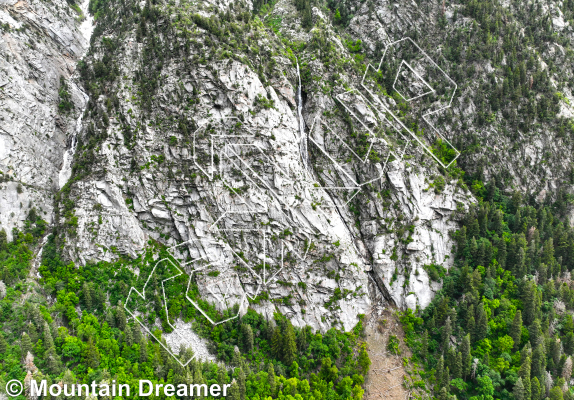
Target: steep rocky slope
pixel 40 44
pixel 303 149
pixel 193 134
pixel 512 62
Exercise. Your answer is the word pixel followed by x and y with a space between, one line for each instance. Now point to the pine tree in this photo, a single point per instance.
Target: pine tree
pixel 432 323
pixel 474 250
pixel 535 332
pixel 425 345
pixel 307 16
pixel 277 342
pixel 3 344
pixel 247 337
pixel 302 340
pixel 53 360
pixel 443 394
pixel 439 371
pixel 569 343
pixel 222 375
pixel 529 302
pixel 488 253
pixel 121 319
pixel 527 388
pixel 466 356
pixel 501 257
pixel 524 371
pixel 92 355
pixel 473 227
pixel 461 240
pixel 87 296
pixel 542 273
pixel 32 332
pixel 129 337
pixel 469 313
pixel 271 379
pixel 137 333
pixel 497 219
pixel 110 319
pixel 519 390
pixel 234 393
pixel 548 252
pixel 445 377
pixel 556 393
pixel 289 345
pixel 47 335
pixel 3 241
pixel 517 221
pixel 538 362
pixel 68 378
pixel 25 345
pixel 236 359
pixel 328 371
pixel 511 255
pixel 450 359
pixel 471 327
pixel 555 351
pixel 99 298
pixel 269 331
pixel 241 383
pixel 519 268
pixel 164 355
pixel 143 350
pixel 516 329
pixel 457 369
pixel 446 333
pixel 480 254
pixel 481 323
pixel 536 390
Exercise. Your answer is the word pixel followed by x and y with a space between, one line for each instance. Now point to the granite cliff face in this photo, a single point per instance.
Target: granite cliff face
pixel 206 132
pixel 302 150
pixel 40 45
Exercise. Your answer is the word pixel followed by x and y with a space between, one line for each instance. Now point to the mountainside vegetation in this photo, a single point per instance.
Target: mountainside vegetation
pixel 502 326
pixel 71 327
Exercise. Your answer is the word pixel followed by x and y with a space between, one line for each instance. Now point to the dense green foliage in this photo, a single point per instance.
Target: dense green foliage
pixel 502 325
pixel 521 94
pixel 83 334
pixel 15 255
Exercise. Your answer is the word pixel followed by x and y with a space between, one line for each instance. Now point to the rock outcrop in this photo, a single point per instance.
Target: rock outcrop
pixel 286 166
pixel 40 43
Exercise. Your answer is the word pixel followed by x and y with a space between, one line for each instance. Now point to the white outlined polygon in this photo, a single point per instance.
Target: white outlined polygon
pixel 356 186
pixel 262 280
pixel 373 134
pixel 403 62
pixel 212 168
pixel 208 287
pixel 142 296
pixel 373 139
pixel 229 153
pixel 425 116
pixel 395 122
